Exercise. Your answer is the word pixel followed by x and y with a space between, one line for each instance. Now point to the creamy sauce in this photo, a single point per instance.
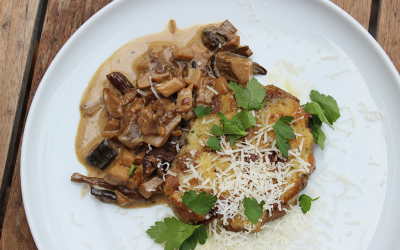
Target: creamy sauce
pixel 123 60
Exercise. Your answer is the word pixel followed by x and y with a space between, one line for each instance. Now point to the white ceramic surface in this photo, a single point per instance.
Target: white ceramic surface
pixel 305 32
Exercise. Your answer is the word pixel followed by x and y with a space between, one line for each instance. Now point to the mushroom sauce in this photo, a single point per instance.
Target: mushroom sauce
pixel 139 106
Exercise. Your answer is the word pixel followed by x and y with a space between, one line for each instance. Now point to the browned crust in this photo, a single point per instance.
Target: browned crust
pixel 221 104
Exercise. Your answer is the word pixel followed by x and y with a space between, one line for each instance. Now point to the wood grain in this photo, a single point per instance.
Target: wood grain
pixel 63 18
pixel 388 33
pixel 19 20
pixel 358 9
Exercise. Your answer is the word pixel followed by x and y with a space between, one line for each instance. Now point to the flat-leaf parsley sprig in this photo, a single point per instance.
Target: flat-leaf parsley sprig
pixel 283 133
pixel 177 234
pixel 324 109
pixel 199 204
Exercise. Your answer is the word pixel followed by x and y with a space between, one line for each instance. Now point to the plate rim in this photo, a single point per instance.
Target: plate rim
pixel 353 24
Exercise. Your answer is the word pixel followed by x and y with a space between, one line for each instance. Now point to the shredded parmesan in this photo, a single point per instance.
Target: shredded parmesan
pixel 370 115
pixel 76 223
pixel 333 75
pixel 88 246
pixel 357 222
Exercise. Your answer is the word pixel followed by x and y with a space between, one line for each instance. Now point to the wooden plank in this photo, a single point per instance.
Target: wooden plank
pixel 63 18
pixel 358 9
pixel 19 20
pixel 388 33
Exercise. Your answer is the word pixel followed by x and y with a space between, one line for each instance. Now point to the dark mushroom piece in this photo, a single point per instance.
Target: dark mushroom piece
pixel 104 195
pixel 214 37
pixel 119 81
pixel 235 67
pixel 102 156
pixel 211 37
pixel 92 181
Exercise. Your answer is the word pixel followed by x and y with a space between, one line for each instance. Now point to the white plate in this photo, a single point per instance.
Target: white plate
pixel 293 30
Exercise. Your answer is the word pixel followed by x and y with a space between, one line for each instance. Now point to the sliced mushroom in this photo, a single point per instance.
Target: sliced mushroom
pixel 259 70
pixel 113 103
pixel 184 101
pixel 131 194
pixel 119 81
pixel 193 77
pixel 128 157
pixel 158 141
pixel 102 156
pixel 231 44
pixel 148 188
pixel 129 96
pixel 170 87
pixel 129 132
pixel 212 37
pixel 243 51
pixel 221 86
pixel 165 55
pixel 229 29
pixel 144 81
pixel 93 181
pixel 90 109
pixel 183 54
pixel 234 67
pixel 104 195
pixel 117 175
pixel 111 129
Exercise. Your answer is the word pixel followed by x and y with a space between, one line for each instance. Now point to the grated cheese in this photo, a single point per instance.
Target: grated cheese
pixel 213 90
pixel 252 6
pixel 357 222
pixel 88 246
pixel 84 191
pixel 137 217
pixel 254 17
pixel 76 223
pixel 333 75
pixel 370 115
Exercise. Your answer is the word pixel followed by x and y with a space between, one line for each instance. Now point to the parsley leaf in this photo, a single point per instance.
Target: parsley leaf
pixel 200 111
pixel 173 231
pixel 234 128
pixel 324 109
pixel 199 235
pixel 314 109
pixel 250 98
pixel 283 132
pixel 305 202
pixel 200 204
pixel 245 119
pixel 328 105
pixel 213 142
pixel 252 210
pixel 131 170
pixel 231 127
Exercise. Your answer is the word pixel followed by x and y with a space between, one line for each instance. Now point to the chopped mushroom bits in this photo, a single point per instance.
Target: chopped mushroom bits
pixel 144 116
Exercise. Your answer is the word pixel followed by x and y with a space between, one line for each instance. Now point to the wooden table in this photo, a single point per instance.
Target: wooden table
pixel 32 33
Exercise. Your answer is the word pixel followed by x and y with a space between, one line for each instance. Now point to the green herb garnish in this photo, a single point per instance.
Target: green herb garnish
pixel 283 133
pixel 252 210
pixel 201 111
pixel 250 98
pixel 305 202
pixel 131 170
pixel 213 142
pixel 177 234
pixel 324 109
pixel 199 204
